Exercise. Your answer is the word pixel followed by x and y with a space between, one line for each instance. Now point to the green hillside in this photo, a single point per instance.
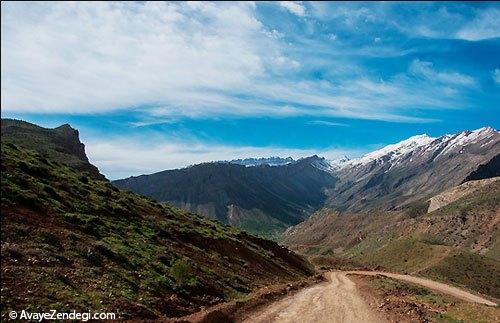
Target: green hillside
pixel 61 144
pixel 71 241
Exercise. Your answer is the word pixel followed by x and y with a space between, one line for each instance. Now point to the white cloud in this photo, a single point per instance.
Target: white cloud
pixel 327 123
pixel 79 57
pixel 294 7
pixel 425 19
pixel 426 70
pixel 169 59
pixel 485 25
pixel 496 75
pixel 128 157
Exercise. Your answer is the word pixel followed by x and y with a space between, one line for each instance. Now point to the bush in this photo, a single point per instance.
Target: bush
pixel 417 209
pixel 180 271
pixel 51 240
pixel 13 252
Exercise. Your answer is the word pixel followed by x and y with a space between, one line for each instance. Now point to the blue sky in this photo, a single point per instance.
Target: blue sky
pixel 153 86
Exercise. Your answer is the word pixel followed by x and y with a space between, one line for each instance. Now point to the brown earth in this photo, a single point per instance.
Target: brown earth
pixel 340 299
pixel 408 303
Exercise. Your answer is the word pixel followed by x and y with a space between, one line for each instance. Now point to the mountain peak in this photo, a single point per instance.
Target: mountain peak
pixel 396 150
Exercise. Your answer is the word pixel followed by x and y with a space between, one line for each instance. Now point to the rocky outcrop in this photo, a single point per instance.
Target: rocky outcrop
pixel 61 144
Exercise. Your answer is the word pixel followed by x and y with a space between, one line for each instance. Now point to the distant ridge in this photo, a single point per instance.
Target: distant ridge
pixel 264 199
pixel 271 161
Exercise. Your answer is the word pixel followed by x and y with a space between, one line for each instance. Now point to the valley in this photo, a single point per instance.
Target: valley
pixel 266 199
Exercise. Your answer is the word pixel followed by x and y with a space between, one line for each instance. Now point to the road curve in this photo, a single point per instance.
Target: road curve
pixel 334 301
pixel 338 301
pixel 433 285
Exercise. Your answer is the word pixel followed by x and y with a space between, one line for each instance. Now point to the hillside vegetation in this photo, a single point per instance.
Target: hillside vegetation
pixel 72 241
pixel 61 144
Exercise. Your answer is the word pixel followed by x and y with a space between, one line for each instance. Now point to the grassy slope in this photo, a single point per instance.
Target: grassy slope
pixel 69 241
pixel 60 144
pixel 441 244
pixel 424 258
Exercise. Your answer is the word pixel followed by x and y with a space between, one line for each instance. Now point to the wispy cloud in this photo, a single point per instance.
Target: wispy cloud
pixel 203 60
pixel 327 123
pixel 426 70
pixel 496 75
pixel 425 19
pixel 295 7
pixel 485 25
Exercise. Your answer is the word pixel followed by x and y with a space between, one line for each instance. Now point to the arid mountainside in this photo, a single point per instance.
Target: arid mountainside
pixel 261 199
pixel 459 242
pixel 454 193
pixel 414 169
pixel 73 241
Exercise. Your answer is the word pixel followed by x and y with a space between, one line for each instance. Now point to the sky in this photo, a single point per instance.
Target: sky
pixel 161 85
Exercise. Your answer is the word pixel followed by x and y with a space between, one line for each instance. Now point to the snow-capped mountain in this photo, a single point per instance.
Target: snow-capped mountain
pixel 393 152
pixel 446 144
pixel 407 172
pixel 414 168
pixel 271 161
pixel 339 163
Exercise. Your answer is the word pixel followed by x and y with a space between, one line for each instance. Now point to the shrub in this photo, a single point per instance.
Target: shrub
pixel 14 252
pixel 51 239
pixel 180 271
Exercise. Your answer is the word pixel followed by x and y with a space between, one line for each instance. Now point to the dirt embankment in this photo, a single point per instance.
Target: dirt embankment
pixel 433 285
pixel 238 310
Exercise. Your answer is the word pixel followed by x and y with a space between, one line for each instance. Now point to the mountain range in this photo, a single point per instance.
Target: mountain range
pixel 271 161
pixel 262 199
pixel 266 199
pixel 413 169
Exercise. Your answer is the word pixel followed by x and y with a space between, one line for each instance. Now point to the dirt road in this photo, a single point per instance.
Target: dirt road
pixel 433 285
pixel 338 300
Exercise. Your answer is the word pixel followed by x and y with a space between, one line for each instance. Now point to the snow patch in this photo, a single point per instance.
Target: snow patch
pixel 394 151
